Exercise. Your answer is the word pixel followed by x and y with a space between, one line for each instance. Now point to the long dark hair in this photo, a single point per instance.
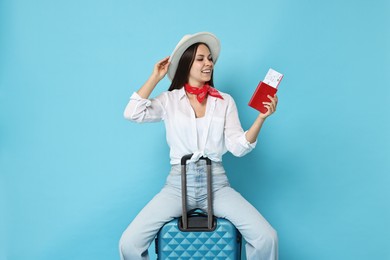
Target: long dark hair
pixel 184 67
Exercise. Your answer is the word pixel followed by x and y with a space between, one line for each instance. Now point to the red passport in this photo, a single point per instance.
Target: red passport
pixel 269 86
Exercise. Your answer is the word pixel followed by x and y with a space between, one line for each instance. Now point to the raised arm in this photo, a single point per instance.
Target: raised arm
pixel 142 109
pixel 159 71
pixel 254 130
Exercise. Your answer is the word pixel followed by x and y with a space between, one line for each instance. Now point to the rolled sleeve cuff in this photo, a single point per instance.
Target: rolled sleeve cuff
pixel 245 143
pixel 144 101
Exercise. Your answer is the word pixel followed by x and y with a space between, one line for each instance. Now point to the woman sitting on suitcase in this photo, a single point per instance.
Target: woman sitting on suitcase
pixel 202 121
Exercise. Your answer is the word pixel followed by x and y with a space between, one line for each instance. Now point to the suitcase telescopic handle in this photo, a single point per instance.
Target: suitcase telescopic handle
pixel 184 160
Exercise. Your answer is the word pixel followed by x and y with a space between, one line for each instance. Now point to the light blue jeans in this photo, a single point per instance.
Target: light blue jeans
pixel 261 238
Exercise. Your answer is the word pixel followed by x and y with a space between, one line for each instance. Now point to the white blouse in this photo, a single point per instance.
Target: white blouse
pixel 222 132
pixel 201 126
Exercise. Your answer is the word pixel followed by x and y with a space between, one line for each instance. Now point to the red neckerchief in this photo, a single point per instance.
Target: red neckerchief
pixel 202 92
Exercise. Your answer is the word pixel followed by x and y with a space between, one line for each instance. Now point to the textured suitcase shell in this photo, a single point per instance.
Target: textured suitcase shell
pixel 222 243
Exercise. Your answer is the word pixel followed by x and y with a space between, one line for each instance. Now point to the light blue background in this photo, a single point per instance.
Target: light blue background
pixel 74 173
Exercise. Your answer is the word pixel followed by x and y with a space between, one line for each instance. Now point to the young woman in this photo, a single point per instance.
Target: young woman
pixel 202 121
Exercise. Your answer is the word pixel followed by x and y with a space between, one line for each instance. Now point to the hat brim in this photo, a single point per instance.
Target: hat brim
pixel 205 37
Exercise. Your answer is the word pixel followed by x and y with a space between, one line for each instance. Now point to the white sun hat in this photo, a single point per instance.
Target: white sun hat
pixel 205 37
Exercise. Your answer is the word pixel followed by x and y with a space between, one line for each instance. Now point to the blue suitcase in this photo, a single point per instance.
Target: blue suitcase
pixel 197 235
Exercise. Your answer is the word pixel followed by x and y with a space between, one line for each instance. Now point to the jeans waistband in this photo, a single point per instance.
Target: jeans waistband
pixel 197 178
pixel 216 168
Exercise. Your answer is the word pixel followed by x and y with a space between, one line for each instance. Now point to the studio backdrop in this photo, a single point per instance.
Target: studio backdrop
pixel 74 172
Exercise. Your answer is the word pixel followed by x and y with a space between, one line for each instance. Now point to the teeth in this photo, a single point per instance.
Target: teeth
pixel 206 71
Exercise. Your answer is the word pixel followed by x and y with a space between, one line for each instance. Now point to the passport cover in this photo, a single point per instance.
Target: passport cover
pixel 269 86
pixel 260 96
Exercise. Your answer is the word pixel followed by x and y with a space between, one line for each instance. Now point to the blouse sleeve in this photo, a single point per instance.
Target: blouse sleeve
pixel 235 139
pixel 142 110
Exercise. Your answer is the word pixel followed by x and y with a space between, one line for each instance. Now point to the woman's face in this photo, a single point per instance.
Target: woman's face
pixel 202 67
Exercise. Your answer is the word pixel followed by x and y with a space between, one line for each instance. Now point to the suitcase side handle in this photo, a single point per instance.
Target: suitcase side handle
pixel 210 221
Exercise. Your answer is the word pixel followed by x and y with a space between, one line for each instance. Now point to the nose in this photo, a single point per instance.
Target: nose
pixel 209 62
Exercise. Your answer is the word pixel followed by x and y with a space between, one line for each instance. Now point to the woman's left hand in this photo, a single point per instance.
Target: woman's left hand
pixel 253 132
pixel 271 106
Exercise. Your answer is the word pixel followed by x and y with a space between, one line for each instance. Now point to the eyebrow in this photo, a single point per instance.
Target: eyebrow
pixel 202 55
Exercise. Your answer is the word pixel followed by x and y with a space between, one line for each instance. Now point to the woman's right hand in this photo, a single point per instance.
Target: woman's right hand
pixel 159 71
pixel 161 68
